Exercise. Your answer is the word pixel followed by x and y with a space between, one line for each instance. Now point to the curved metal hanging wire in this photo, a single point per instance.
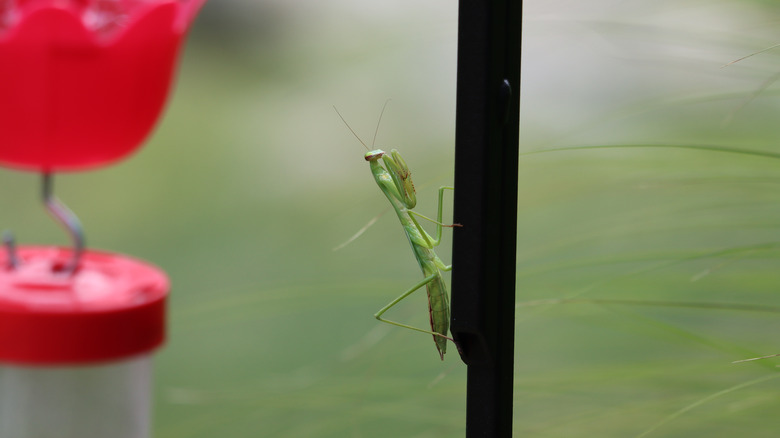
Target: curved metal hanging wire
pixel 62 214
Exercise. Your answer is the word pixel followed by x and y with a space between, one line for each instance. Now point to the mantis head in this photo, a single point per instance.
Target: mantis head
pixel 374 155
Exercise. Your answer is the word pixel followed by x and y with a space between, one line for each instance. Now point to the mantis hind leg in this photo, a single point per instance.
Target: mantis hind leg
pixel 378 315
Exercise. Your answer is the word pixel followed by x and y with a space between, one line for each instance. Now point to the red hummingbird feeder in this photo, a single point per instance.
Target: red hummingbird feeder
pixel 82 84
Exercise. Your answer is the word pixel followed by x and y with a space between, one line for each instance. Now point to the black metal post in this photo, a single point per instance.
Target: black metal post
pixel 486 148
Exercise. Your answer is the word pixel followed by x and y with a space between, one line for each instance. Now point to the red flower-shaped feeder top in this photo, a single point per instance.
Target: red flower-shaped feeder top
pixel 82 82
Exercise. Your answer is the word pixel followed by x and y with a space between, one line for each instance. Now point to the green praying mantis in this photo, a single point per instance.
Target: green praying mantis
pixel 393 177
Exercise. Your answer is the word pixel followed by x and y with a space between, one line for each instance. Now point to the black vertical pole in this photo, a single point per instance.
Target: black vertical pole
pixel 486 148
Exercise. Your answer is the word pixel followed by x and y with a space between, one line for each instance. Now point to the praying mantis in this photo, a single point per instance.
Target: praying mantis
pixel 395 181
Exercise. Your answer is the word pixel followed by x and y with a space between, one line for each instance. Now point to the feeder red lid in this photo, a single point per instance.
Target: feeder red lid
pixel 112 307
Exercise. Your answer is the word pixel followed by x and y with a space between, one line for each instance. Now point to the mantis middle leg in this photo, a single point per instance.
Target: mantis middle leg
pixel 431 242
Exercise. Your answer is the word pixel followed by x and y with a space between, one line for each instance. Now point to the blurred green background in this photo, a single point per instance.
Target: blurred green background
pixel 251 180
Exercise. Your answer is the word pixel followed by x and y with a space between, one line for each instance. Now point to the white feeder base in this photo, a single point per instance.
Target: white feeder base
pixel 104 401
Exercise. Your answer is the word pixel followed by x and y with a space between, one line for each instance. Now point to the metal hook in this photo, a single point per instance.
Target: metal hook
pixel 69 221
pixel 10 246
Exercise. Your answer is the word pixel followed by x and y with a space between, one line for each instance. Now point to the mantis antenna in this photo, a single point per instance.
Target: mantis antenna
pixel 376 131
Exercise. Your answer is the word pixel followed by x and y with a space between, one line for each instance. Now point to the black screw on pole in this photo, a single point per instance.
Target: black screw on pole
pixel 484 249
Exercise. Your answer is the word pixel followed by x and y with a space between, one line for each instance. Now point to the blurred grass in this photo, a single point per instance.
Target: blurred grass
pixel 251 179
